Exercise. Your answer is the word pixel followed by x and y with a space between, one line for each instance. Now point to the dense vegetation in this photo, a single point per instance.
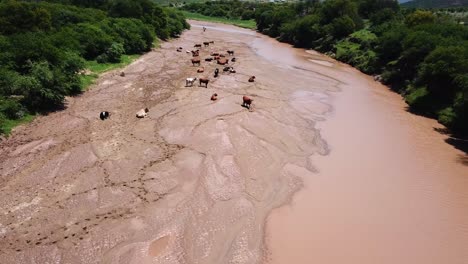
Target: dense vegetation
pixel 45 45
pixel 232 21
pixel 225 9
pixel 421 54
pixel 435 3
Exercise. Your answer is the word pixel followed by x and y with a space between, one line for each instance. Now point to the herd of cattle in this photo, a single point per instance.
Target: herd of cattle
pixel 220 59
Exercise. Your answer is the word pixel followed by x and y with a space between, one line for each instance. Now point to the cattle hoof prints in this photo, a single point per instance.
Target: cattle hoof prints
pixel 75 231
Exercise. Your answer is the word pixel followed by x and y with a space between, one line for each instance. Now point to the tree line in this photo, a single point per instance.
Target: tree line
pixel 226 9
pixel 422 54
pixel 44 45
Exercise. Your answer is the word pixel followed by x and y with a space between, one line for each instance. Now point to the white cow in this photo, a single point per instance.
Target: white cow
pixel 190 81
pixel 142 113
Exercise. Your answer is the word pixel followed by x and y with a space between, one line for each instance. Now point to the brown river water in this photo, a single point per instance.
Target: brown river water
pixel 327 167
pixel 391 190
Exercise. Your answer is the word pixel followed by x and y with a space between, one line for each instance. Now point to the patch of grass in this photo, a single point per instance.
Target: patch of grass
pixel 237 22
pixel 98 68
pixel 103 67
pixel 6 125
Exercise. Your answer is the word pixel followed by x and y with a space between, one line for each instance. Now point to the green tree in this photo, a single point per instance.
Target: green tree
pixel 18 17
pixel 419 17
pixel 441 68
pixel 342 27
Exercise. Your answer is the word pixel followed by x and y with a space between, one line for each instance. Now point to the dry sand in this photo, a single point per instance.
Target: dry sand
pixel 192 183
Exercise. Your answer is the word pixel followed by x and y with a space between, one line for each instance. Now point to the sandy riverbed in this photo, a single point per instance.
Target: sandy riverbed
pixel 192 183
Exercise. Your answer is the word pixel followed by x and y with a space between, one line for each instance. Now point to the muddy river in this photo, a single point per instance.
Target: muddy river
pixel 326 167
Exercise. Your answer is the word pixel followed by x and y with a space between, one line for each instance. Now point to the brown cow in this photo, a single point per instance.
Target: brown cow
pixel 252 79
pixel 208 59
pixel 197 46
pixel 214 97
pixel 222 61
pixel 206 43
pixel 230 52
pixel 205 81
pixel 246 102
pixel 196 61
pixel 201 69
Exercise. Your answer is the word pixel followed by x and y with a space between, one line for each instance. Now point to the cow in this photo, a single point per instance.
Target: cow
pixel 214 97
pixel 211 42
pixel 179 49
pixel 122 74
pixel 190 81
pixel 206 43
pixel 195 53
pixel 196 61
pixel 233 59
pixel 208 59
pixel 204 81
pixel 214 54
pixel 230 52
pixel 246 102
pixel 229 69
pixel 252 79
pixel 197 46
pixel 216 72
pixel 142 113
pixel 222 61
pixel 200 70
pixel 104 115
pixel 204 29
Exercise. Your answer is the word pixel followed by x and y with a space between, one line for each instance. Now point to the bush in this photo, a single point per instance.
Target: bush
pixel 93 40
pixel 114 52
pixel 11 109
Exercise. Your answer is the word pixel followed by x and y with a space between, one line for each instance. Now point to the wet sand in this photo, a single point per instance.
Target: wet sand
pixel 196 180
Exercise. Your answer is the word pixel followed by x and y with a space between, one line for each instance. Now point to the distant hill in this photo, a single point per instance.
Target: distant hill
pixel 434 3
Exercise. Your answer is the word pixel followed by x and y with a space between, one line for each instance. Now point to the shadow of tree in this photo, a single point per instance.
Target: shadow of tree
pixel 460 144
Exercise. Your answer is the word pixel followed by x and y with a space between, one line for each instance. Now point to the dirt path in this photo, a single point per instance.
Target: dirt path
pixel 193 183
